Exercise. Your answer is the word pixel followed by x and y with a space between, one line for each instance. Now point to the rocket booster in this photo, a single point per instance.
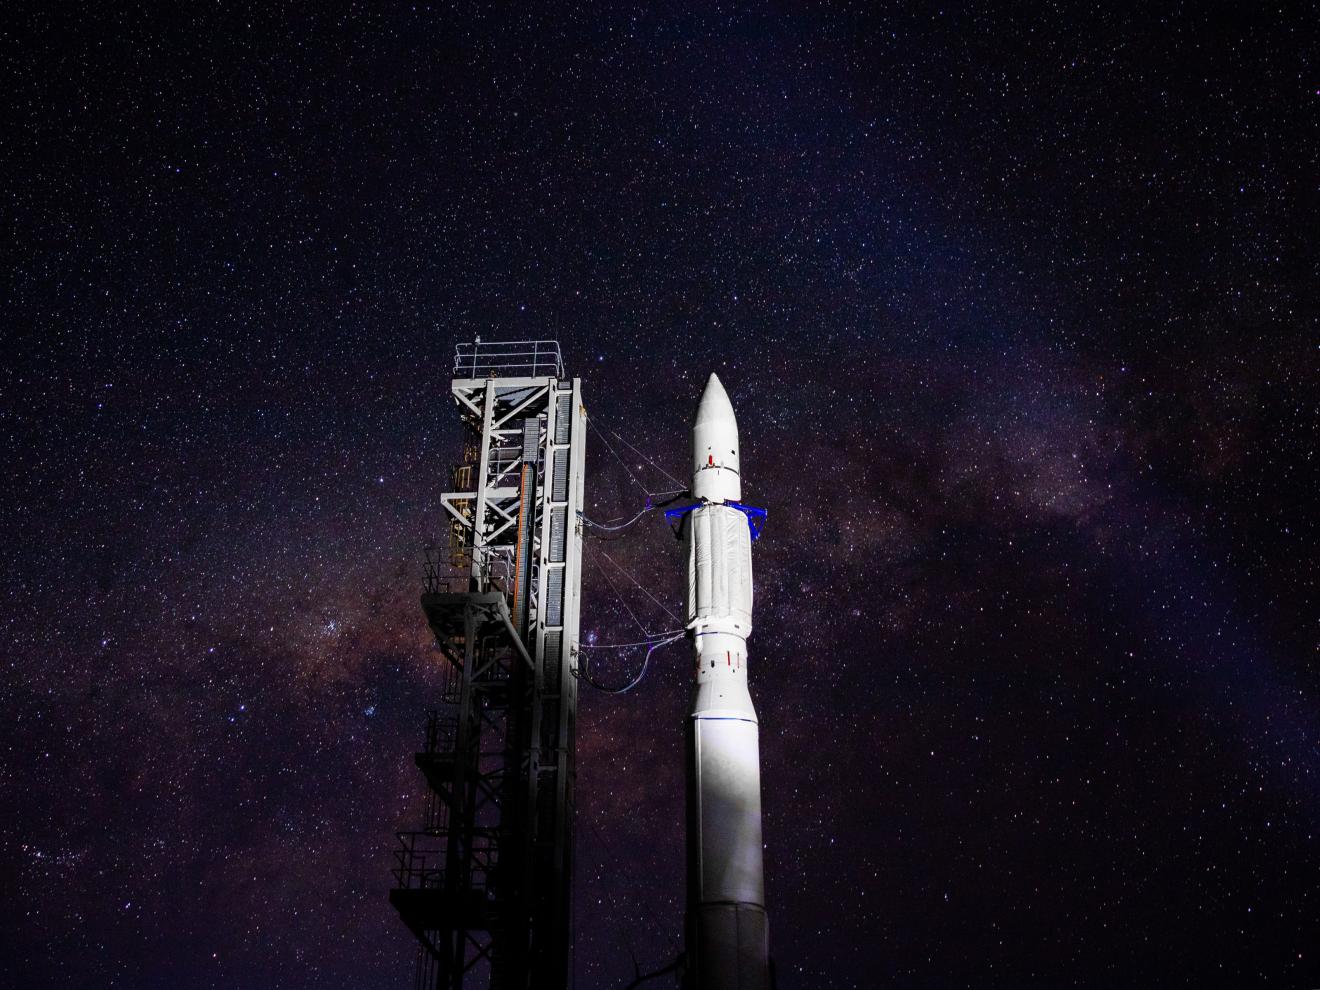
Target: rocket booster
pixel 727 931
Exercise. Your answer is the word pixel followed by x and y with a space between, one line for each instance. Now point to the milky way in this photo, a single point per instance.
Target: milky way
pixel 1016 310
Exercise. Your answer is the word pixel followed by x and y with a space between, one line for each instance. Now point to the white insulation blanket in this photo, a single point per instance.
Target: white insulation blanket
pixel 719 552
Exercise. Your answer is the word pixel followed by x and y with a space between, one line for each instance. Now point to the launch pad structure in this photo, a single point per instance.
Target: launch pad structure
pixel 485 884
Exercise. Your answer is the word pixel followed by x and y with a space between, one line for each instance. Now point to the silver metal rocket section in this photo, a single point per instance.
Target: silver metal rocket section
pixel 726 919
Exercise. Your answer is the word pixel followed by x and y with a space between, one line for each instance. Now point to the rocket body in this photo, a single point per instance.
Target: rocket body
pixel 727 932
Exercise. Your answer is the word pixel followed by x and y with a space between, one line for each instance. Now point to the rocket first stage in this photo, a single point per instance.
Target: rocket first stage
pixel 727 939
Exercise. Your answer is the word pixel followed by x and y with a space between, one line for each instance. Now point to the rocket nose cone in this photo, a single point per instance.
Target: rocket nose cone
pixel 715 446
pixel 715 402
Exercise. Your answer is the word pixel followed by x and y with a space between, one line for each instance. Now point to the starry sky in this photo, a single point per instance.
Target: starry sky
pixel 1016 306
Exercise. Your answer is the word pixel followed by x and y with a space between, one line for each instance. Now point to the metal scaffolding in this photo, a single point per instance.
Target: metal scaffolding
pixel 484 885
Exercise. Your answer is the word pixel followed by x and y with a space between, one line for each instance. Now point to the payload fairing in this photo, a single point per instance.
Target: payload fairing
pixel 727 931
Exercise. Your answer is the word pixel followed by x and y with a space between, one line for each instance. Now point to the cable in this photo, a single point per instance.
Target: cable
pixel 634 882
pixel 638 584
pixel 622 464
pixel 591 421
pixel 620 646
pixel 645 458
pixel 611 527
pixel 626 607
pixel 647 977
pixel 640 674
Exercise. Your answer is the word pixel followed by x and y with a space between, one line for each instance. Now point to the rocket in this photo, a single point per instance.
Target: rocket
pixel 727 930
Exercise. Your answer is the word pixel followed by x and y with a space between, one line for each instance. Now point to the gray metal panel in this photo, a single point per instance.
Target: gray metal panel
pixel 531 441
pixel 563 422
pixel 554 605
pixel 559 486
pixel 553 655
pixel 558 533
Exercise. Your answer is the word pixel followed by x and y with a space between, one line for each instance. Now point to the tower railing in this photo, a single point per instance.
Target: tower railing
pixel 509 359
pixel 438 570
pixel 419 862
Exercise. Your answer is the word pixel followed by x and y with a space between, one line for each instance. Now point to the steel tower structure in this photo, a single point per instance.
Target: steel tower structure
pixel 484 885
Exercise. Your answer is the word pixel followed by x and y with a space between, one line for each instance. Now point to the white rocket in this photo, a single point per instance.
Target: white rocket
pixel 727 940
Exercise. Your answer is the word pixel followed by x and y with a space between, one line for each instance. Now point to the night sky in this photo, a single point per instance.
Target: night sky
pixel 1017 309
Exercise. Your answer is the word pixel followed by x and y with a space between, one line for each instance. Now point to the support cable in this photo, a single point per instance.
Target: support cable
pixel 608 446
pixel 645 458
pixel 626 607
pixel 640 674
pixel 634 883
pixel 607 528
pixel 613 526
pixel 640 642
pixel 639 585
pixel 648 977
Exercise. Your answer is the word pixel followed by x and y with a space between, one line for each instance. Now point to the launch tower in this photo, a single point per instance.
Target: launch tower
pixel 484 884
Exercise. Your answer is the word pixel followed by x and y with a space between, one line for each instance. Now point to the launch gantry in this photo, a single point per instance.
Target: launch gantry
pixel 484 885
